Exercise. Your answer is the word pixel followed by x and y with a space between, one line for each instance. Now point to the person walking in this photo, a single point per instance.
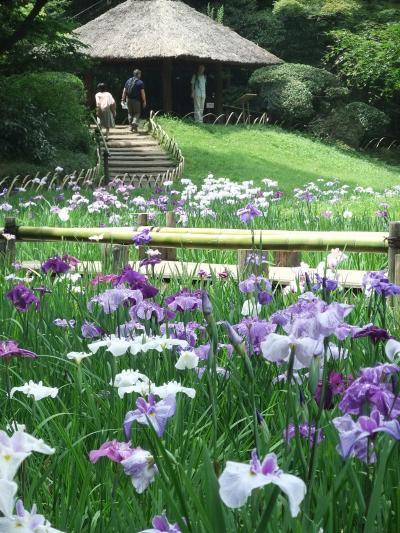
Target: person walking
pixel 135 97
pixel 105 108
pixel 199 82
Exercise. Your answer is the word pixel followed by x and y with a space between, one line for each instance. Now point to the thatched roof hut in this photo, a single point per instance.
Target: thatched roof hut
pixel 167 30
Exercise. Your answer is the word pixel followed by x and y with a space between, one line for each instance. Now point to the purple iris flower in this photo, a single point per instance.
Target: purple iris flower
pixel 150 261
pixel 10 349
pixel 182 331
pixel 111 299
pixel 42 290
pixel 64 323
pixel 248 213
pixel 254 331
pixel 373 332
pixel 254 283
pixel 22 298
pixel 306 431
pixel 136 281
pixel 104 278
pixel 184 300
pixel 378 282
pixel 374 387
pixel 356 437
pixel 151 412
pixel 71 260
pixel 90 330
pixel 142 238
pixel 55 264
pixel 114 450
pixel 141 468
pixel 325 283
pixel 161 524
pixel 335 386
pixel 264 297
pixel 144 311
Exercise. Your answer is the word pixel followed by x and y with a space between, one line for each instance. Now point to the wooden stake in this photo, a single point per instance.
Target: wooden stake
pixel 142 220
pixel 7 247
pixel 287 259
pixel 169 254
pixel 394 248
pixel 114 257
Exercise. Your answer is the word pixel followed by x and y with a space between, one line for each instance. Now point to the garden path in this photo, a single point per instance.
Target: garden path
pixel 136 154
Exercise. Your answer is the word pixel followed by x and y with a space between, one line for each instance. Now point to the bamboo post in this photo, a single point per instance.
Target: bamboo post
pixel 7 246
pixel 169 254
pixel 142 220
pixel 287 259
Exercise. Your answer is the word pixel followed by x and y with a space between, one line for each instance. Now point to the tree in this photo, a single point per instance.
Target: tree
pixel 368 60
pixel 37 35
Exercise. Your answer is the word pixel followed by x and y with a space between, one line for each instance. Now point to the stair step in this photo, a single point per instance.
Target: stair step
pixel 132 159
pixel 141 170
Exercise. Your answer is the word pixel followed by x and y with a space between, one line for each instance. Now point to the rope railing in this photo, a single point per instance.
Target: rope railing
pixel 170 145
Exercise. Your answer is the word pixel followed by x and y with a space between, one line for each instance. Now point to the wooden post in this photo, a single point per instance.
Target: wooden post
pixel 114 257
pixel 167 85
pixel 287 259
pixel 7 246
pixel 169 254
pixel 245 266
pixel 106 165
pixel 394 248
pixel 142 220
pixel 218 89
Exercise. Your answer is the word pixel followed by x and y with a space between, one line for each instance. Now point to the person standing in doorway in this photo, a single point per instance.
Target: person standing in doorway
pixel 105 108
pixel 199 82
pixel 135 97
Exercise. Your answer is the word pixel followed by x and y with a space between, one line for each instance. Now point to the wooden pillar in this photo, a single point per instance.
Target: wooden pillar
pixel 218 89
pixel 169 254
pixel 167 85
pixel 7 244
pixel 89 85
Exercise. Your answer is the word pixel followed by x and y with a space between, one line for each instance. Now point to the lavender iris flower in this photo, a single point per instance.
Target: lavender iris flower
pixel 255 331
pixel 90 330
pixel 10 349
pixel 373 387
pixel 55 264
pixel 22 298
pixel 306 431
pixel 141 468
pixel 111 299
pixel 151 412
pixel 161 524
pixel 144 311
pixel 248 213
pixel 26 521
pixel 142 238
pixel 184 300
pixel 356 437
pixel 378 282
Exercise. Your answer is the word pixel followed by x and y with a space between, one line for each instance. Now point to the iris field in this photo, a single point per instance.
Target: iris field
pixel 208 405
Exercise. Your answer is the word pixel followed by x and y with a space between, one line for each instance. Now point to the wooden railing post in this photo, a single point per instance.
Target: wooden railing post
pixel 169 254
pixel 287 259
pixel 394 248
pixel 252 262
pixel 106 165
pixel 7 243
pixel 114 257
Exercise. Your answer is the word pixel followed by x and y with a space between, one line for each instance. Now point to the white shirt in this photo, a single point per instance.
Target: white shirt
pixel 199 84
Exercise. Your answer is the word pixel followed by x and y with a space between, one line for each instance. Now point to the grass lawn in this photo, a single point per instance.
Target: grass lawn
pixel 241 153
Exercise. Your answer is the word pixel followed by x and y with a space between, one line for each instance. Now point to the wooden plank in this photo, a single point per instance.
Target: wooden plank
pixel 176 269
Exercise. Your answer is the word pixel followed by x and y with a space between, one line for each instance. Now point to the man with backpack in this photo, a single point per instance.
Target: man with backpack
pixel 134 95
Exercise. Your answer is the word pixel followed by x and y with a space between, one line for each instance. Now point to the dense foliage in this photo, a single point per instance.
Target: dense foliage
pixel 43 113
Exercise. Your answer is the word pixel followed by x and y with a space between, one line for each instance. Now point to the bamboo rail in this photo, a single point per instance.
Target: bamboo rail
pixel 351 241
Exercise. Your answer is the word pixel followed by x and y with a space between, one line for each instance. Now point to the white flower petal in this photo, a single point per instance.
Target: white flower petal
pixel 236 483
pixel 294 488
pixel 392 348
pixel 186 360
pixel 275 347
pixel 8 490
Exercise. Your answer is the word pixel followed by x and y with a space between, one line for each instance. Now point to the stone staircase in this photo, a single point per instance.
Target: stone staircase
pixel 136 154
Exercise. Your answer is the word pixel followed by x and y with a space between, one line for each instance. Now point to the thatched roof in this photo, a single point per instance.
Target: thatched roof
pixel 157 29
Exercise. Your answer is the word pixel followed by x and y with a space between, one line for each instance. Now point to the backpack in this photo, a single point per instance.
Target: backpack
pixel 131 89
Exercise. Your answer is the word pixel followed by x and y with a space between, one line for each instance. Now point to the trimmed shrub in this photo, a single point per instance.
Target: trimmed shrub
pixel 353 124
pixel 62 96
pixel 296 93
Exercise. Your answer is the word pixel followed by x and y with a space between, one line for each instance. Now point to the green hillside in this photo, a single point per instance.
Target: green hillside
pixel 242 153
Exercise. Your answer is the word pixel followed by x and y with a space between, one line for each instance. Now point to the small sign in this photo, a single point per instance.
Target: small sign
pixel 210 105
